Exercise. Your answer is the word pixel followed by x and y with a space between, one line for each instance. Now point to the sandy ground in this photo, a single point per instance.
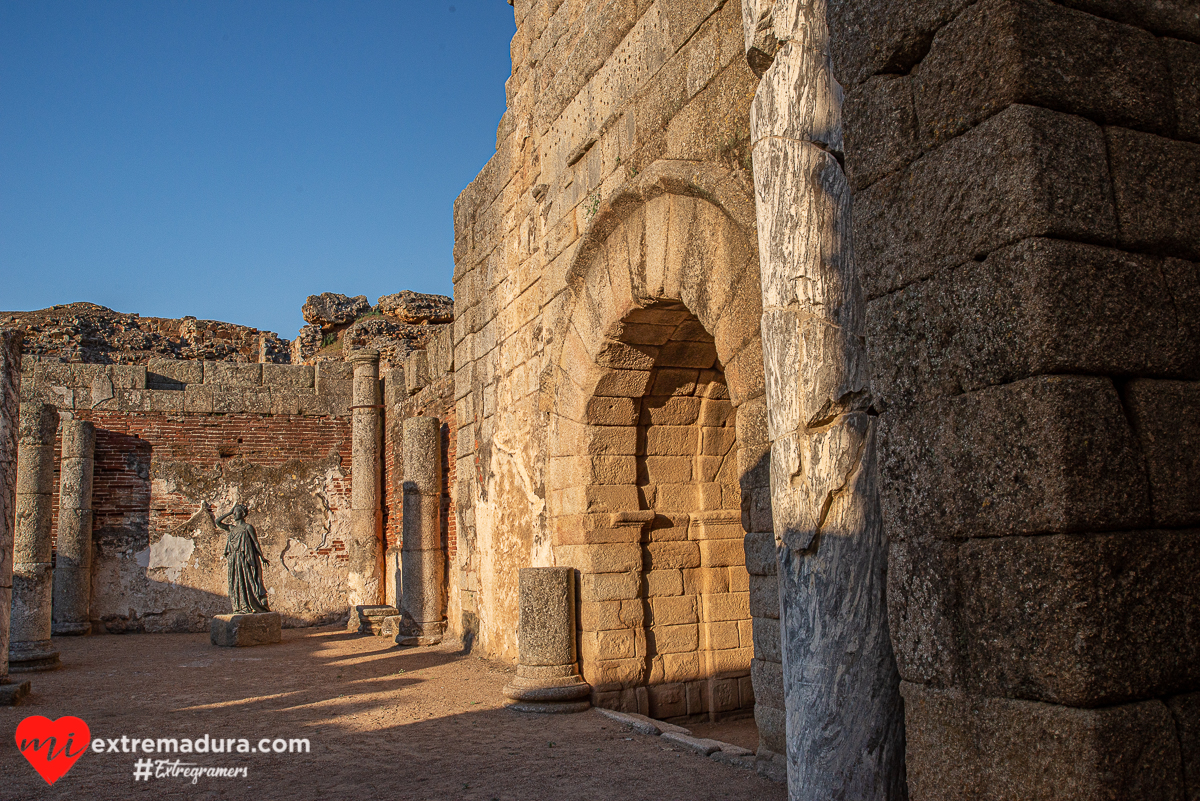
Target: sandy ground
pixel 383 722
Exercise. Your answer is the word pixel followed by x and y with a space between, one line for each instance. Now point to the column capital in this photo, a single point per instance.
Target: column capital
pixel 368 355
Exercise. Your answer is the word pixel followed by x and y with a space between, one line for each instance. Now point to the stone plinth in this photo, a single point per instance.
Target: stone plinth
pixel 11 693
pixel 547 679
pixel 239 631
pixel 29 647
pixel 370 618
pixel 422 559
pixel 73 561
pixel 10 390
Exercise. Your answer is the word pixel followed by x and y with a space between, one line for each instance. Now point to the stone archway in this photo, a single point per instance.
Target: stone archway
pixel 656 398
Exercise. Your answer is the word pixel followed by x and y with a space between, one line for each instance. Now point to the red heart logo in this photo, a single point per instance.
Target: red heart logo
pixel 52 746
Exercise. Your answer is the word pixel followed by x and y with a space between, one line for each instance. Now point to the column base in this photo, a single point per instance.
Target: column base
pixel 11 693
pixel 413 633
pixel 240 631
pixel 28 657
pixel 552 689
pixel 71 629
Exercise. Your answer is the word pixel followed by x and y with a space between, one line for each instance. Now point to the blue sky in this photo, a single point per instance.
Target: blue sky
pixel 228 159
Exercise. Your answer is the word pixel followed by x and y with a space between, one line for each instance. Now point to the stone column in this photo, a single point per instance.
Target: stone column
pixel 547 678
pixel 73 565
pixel 422 561
pixel 366 517
pixel 29 645
pixel 844 719
pixel 10 392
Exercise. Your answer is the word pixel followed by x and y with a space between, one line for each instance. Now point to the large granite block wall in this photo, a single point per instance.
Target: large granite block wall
pixel 1027 180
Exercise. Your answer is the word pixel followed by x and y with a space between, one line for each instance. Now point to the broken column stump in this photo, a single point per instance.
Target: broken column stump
pixel 29 647
pixel 547 679
pixel 422 559
pixel 240 631
pixel 70 613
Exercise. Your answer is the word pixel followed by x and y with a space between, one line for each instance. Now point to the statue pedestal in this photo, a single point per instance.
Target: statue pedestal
pixel 238 631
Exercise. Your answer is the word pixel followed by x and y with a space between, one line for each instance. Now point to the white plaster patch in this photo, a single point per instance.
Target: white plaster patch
pixel 171 554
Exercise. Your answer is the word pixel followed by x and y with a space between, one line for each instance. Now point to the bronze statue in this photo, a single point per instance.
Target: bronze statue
pixel 246 592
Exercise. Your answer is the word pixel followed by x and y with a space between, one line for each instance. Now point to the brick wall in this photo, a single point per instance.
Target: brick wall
pixel 175 434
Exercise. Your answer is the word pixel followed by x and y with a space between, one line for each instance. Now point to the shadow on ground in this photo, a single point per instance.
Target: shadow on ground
pixel 382 722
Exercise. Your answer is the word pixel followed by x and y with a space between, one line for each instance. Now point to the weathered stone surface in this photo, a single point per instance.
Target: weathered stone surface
pixel 29 645
pixel 964 746
pixel 423 586
pixel 1156 187
pixel 228 374
pixel 173 373
pixel 1186 711
pixel 422 559
pixel 640 723
pixel 547 604
pixel 423 455
pixel 1047 454
pixel 73 553
pixel 1184 61
pixel 881 129
pixel 372 619
pixel 416 307
pixel 1164 17
pixel 366 535
pixel 238 631
pixel 1024 172
pixel 390 627
pixel 1166 420
pixel 12 693
pixel 10 391
pixel 1036 307
pixel 760 554
pixel 1000 52
pixel 701 745
pixel 1114 619
pixel 91 334
pixel 330 308
pixel 546 669
pixel 869 37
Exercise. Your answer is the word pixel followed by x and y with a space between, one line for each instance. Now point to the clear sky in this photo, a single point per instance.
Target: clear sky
pixel 227 159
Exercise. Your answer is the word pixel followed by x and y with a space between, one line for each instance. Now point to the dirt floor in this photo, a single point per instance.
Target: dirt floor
pixel 382 722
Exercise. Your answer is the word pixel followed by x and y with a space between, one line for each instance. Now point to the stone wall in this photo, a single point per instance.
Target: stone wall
pixel 1024 177
pixel 174 434
pixel 1027 180
pixel 608 367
